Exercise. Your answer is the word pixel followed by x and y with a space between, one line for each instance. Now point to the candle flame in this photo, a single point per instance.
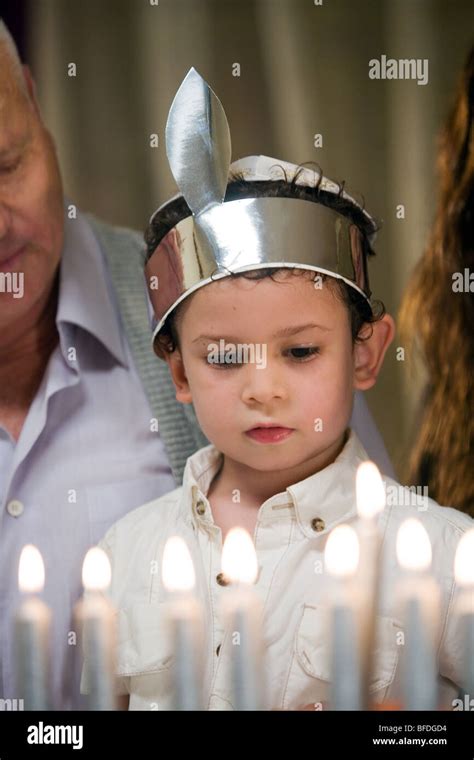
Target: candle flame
pixel 464 560
pixel 239 559
pixel 31 570
pixel 177 567
pixel 413 546
pixel 370 492
pixel 96 570
pixel 341 555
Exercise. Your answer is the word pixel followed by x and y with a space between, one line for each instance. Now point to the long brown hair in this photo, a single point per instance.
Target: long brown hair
pixel 441 321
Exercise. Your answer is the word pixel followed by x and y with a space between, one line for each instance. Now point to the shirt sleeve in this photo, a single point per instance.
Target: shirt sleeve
pixel 453 650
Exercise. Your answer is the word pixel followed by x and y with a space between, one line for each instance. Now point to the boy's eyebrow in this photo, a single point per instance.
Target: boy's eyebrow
pixel 285 332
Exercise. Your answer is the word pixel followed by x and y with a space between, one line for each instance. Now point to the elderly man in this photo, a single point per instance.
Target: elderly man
pixel 80 389
pixel 81 392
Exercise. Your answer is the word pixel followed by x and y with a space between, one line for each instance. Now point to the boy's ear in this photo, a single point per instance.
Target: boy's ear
pixel 369 355
pixel 178 374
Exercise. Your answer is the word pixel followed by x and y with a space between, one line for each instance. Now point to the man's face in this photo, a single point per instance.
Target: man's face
pixel 31 203
pixel 306 385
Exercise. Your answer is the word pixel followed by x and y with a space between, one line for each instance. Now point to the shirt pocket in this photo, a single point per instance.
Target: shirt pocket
pixel 145 655
pixel 309 678
pixel 143 643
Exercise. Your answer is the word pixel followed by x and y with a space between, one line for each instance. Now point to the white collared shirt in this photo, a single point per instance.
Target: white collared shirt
pixel 290 537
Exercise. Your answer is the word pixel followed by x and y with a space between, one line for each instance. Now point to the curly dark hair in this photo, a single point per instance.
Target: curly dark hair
pixel 441 322
pixel 239 187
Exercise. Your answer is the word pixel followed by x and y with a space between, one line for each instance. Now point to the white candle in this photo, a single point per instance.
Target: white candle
pixel 95 616
pixel 418 599
pixel 242 614
pixel 341 558
pixel 464 575
pixel 370 500
pixel 32 626
pixel 185 626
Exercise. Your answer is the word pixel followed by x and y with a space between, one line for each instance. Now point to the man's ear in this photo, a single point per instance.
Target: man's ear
pixel 178 374
pixel 369 354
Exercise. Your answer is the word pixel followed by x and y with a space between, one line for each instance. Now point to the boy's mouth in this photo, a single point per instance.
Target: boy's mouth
pixel 269 433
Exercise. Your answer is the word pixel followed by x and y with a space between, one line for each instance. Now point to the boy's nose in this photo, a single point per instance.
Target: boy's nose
pixel 263 384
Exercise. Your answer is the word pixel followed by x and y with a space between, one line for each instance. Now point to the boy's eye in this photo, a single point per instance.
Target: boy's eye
pixel 223 365
pixel 305 352
pixel 300 354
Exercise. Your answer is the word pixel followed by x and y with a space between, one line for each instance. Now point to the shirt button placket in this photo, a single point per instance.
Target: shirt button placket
pixel 222 580
pixel 317 524
pixel 15 508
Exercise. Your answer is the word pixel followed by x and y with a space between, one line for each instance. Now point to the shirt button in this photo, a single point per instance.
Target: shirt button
pixel 15 508
pixel 200 507
pixel 222 580
pixel 317 524
pixel 218 650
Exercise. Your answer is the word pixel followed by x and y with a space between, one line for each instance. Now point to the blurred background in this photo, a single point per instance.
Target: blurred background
pixel 303 71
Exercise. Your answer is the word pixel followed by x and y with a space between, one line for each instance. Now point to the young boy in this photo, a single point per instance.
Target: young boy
pixel 270 356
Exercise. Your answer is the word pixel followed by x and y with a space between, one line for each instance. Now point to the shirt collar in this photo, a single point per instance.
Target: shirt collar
pixel 86 298
pixel 318 502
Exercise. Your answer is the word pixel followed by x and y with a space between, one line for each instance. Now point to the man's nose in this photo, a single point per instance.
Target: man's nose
pixel 262 384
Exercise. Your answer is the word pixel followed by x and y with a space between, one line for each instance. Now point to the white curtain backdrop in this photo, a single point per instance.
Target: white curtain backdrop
pixel 304 70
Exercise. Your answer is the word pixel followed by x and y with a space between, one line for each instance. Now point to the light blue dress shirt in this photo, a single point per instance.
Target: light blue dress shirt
pixel 87 454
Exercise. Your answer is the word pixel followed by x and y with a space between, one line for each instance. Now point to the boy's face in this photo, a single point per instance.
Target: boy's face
pixel 303 381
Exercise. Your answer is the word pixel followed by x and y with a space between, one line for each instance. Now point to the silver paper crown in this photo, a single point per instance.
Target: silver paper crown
pixel 221 238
